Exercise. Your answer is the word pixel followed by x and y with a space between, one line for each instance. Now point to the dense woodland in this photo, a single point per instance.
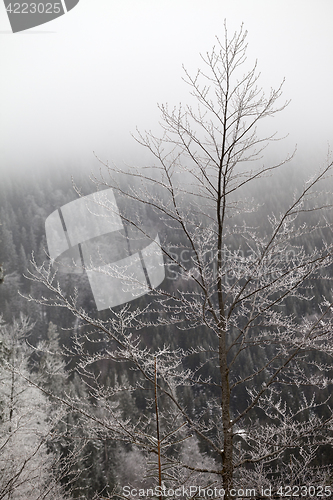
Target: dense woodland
pixel 34 340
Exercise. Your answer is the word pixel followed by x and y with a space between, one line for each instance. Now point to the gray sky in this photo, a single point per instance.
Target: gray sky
pixel 84 81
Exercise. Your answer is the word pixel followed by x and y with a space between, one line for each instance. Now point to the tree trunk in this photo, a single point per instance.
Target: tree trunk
pixel 227 458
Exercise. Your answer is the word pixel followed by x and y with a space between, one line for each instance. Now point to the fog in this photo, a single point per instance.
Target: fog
pixel 86 80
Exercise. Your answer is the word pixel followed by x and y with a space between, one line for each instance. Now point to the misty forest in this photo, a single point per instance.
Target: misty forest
pixel 215 381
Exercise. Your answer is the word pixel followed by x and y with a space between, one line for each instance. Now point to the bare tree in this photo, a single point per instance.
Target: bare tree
pixel 248 289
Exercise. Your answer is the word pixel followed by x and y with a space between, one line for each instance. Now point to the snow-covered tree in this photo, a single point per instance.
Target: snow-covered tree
pixel 246 289
pixel 28 470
